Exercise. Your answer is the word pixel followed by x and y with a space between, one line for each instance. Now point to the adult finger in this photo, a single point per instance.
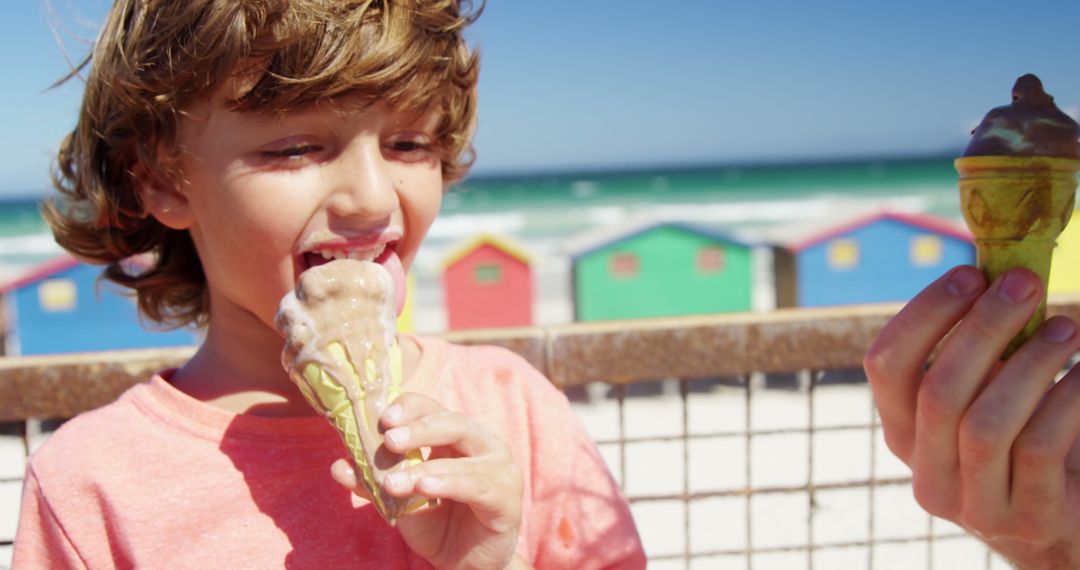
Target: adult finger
pixel 1039 474
pixel 951 384
pixel 993 422
pixel 894 363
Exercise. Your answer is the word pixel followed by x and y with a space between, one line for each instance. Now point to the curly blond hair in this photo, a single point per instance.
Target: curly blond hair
pixel 155 57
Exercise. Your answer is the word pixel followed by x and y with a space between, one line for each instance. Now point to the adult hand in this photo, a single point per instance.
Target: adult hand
pixel 470 472
pixel 992 445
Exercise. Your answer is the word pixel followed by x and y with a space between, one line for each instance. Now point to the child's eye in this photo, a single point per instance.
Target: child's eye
pixel 290 152
pixel 409 146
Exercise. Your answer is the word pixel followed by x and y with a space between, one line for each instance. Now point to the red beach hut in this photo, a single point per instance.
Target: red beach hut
pixel 488 283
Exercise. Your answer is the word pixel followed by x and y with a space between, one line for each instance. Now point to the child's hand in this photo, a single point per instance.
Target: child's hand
pixel 992 446
pixel 471 473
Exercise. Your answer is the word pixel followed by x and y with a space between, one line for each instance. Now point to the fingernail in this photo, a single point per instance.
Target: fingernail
pixel 1015 288
pixel 963 282
pixel 397 480
pixel 392 414
pixel 1059 330
pixel 342 472
pixel 399 437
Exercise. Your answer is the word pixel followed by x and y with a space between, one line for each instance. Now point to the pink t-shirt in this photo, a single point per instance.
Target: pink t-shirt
pixel 160 480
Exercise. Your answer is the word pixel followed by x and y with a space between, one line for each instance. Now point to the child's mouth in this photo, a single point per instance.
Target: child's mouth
pixel 377 254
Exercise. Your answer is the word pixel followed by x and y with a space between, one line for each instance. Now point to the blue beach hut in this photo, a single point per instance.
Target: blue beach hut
pixel 59 306
pixel 881 257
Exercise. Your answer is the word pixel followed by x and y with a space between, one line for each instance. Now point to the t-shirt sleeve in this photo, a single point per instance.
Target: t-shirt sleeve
pixel 40 540
pixel 579 515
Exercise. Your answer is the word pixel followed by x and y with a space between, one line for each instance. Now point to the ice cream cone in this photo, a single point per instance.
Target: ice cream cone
pixel 330 396
pixel 342 353
pixel 1016 206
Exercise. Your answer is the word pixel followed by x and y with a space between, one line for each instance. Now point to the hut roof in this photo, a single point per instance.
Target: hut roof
pixel 806 236
pixel 43 270
pixel 501 243
pixel 593 240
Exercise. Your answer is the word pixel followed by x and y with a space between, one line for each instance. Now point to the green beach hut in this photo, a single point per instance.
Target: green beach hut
pixel 658 269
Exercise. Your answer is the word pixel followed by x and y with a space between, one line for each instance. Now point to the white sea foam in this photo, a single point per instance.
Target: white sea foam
pixel 605 215
pixel 764 213
pixel 540 229
pixel 458 226
pixel 583 188
pixel 18 254
pixel 29 244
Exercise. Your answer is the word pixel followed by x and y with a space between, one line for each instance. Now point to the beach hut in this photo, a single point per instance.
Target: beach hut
pixel 879 257
pixel 60 306
pixel 405 318
pixel 655 269
pixel 1065 268
pixel 488 282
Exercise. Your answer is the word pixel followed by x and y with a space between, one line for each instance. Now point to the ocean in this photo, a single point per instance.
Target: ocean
pixel 543 211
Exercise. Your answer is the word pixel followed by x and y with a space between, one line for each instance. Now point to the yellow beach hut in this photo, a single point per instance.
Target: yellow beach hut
pixel 1065 268
pixel 405 319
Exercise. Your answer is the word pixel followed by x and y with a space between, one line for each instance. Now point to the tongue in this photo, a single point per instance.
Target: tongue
pixel 392 263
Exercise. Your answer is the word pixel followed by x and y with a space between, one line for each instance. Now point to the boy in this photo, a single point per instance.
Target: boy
pixel 993 446
pixel 242 143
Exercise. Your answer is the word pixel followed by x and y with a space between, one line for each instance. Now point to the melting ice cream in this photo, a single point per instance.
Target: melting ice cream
pixel 1018 186
pixel 341 351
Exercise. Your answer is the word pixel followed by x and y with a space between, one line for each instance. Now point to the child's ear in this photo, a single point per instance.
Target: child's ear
pixel 160 195
pixel 166 203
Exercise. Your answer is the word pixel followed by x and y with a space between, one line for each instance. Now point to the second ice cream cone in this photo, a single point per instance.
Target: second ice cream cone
pixel 1016 206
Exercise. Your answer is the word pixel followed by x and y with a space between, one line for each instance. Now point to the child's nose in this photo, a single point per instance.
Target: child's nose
pixel 363 185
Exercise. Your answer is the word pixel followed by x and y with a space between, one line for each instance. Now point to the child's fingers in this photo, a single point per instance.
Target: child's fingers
pixel 407 407
pixel 1039 474
pixel 342 472
pixel 492 490
pixel 403 482
pixel 951 384
pixel 993 422
pixel 444 429
pixel 894 363
pixel 494 505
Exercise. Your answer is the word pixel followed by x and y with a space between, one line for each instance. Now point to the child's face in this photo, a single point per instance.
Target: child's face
pixel 267 196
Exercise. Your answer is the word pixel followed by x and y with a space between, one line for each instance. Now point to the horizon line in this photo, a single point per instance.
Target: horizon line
pixel 703 165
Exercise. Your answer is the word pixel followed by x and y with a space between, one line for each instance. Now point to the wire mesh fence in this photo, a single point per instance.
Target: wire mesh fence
pixel 757 448
pixel 760 471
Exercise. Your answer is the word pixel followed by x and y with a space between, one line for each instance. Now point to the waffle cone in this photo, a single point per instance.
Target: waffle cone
pixel 329 396
pixel 342 353
pixel 1016 206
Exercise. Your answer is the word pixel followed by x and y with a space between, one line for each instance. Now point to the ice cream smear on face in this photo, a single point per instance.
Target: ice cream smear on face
pixel 1018 187
pixel 341 351
pixel 1031 125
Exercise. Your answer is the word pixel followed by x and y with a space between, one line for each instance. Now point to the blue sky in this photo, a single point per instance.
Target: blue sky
pixel 578 84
